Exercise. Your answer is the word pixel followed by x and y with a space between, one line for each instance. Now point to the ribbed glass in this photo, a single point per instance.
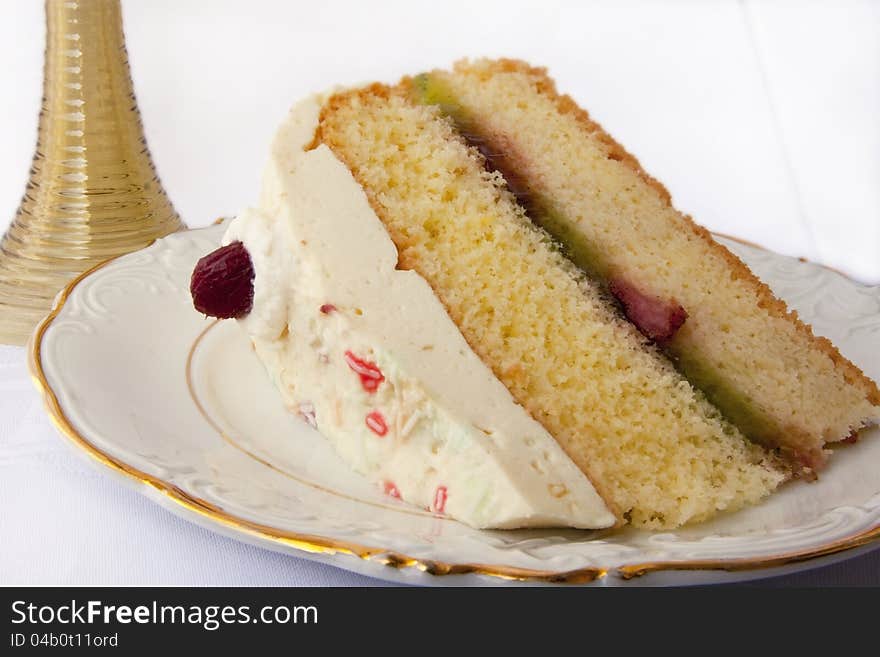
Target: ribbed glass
pixel 93 192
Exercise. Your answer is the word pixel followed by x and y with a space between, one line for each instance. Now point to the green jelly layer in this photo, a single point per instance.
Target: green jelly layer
pixel 428 90
pixel 736 406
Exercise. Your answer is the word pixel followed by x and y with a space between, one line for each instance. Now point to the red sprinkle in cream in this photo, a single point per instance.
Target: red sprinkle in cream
pixel 391 489
pixel 371 376
pixel 328 308
pixel 377 423
pixel 440 496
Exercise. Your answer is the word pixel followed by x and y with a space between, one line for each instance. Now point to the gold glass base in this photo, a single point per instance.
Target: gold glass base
pixel 93 192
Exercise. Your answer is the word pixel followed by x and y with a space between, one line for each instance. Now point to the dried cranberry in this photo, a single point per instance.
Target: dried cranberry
pixel 222 283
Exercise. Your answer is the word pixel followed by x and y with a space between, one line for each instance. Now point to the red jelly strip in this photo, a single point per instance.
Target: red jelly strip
pixel 655 318
pixel 370 375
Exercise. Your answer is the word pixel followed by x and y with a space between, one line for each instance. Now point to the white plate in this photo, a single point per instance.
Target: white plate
pixel 180 406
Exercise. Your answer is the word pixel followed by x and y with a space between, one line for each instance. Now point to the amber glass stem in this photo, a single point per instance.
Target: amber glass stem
pixel 93 192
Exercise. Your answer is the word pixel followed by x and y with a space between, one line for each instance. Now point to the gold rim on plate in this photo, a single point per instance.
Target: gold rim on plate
pixel 327 546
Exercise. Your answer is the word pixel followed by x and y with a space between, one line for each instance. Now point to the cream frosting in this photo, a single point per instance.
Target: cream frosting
pixel 367 354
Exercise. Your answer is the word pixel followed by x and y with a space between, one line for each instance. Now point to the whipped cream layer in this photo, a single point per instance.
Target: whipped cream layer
pixel 367 354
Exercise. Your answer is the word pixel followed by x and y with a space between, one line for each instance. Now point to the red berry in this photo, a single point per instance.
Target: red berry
pixel 222 283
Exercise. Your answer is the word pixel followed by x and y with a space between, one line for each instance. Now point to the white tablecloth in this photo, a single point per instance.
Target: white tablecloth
pixel 760 117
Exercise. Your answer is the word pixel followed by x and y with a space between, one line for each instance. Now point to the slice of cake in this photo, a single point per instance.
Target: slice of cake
pixel 492 312
pixel 528 378
pixel 721 327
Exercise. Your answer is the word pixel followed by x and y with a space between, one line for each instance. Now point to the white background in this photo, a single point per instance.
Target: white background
pixel 762 118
